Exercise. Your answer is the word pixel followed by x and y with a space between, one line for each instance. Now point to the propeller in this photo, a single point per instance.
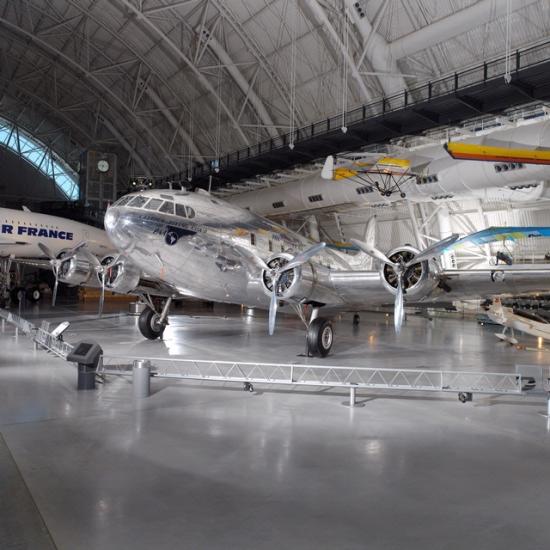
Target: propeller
pixel 57 262
pixel 101 270
pixel 275 275
pixel 400 269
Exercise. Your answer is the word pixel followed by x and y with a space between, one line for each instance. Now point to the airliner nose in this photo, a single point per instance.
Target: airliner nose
pixel 111 218
pixel 115 228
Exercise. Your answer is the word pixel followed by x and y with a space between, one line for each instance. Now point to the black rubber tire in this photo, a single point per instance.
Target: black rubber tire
pixel 320 336
pixel 147 325
pixel 33 294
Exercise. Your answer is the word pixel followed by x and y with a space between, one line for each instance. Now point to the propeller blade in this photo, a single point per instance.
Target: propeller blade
pixel 68 255
pixel 327 172
pixel 102 295
pixel 373 252
pixel 255 260
pixel 54 293
pixel 432 251
pixel 399 311
pixel 46 251
pixel 304 256
pixel 273 306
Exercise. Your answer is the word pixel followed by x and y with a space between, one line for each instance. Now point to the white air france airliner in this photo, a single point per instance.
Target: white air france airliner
pixel 21 231
pixel 28 237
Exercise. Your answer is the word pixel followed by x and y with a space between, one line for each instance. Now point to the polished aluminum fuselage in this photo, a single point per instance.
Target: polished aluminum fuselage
pixel 209 256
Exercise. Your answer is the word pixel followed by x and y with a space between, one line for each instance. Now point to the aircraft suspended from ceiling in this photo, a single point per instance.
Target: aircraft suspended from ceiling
pixel 386 174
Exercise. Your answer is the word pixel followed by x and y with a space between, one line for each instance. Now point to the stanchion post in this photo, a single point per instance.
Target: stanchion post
pixel 352 396
pixel 141 378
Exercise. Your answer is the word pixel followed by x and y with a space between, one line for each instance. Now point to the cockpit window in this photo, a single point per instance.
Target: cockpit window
pixel 190 212
pixel 153 204
pixel 138 201
pixel 123 200
pixel 167 207
pixel 180 210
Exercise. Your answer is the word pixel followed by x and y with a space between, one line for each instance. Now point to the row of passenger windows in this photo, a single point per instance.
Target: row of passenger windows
pixel 167 207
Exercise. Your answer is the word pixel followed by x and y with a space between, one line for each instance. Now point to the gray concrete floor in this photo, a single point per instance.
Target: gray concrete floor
pixel 207 467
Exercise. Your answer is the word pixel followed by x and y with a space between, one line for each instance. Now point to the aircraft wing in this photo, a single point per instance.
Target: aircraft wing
pixel 33 262
pixel 493 234
pixel 500 280
pixel 491 153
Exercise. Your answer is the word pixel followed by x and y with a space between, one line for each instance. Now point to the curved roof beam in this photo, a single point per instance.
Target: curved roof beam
pixel 322 19
pixel 283 90
pixel 245 86
pixel 140 16
pixel 70 121
pixel 165 111
pixel 126 144
pixel 377 51
pixel 40 155
pixel 159 103
pixel 459 22
pixel 91 78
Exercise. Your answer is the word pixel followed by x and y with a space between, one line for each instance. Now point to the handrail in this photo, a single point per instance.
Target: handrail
pixel 452 83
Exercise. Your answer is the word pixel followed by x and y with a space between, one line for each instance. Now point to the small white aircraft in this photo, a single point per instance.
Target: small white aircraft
pixel 26 236
pixel 514 319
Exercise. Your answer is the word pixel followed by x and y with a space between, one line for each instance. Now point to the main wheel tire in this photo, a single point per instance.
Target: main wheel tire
pixel 33 294
pixel 320 337
pixel 149 324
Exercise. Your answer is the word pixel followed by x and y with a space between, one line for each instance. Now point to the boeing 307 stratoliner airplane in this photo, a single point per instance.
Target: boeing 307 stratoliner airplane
pixel 191 244
pixel 175 243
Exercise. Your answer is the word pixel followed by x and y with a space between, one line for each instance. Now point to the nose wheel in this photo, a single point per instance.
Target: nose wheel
pixel 320 336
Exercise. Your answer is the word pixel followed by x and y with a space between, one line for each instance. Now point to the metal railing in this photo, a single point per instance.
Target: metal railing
pixel 351 378
pixel 41 336
pixel 452 83
pixel 322 375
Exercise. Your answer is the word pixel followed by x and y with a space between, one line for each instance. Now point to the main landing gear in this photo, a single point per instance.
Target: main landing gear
pixel 152 324
pixel 319 334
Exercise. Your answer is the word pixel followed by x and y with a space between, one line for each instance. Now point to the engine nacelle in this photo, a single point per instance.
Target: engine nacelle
pixel 419 280
pixel 122 276
pixel 304 283
pixel 76 270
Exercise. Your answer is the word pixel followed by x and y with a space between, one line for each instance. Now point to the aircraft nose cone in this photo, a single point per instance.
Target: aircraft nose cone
pixel 115 227
pixel 111 218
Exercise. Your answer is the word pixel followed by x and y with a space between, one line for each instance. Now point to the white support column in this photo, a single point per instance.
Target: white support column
pixel 370 238
pixel 448 260
pixel 481 213
pixel 417 235
pixel 313 228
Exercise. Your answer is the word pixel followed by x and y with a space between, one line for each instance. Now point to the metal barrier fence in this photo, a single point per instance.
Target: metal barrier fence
pixel 41 336
pixel 323 375
pixel 465 383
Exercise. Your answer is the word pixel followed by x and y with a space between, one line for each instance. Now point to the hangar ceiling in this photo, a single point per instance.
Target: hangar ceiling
pixel 174 82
